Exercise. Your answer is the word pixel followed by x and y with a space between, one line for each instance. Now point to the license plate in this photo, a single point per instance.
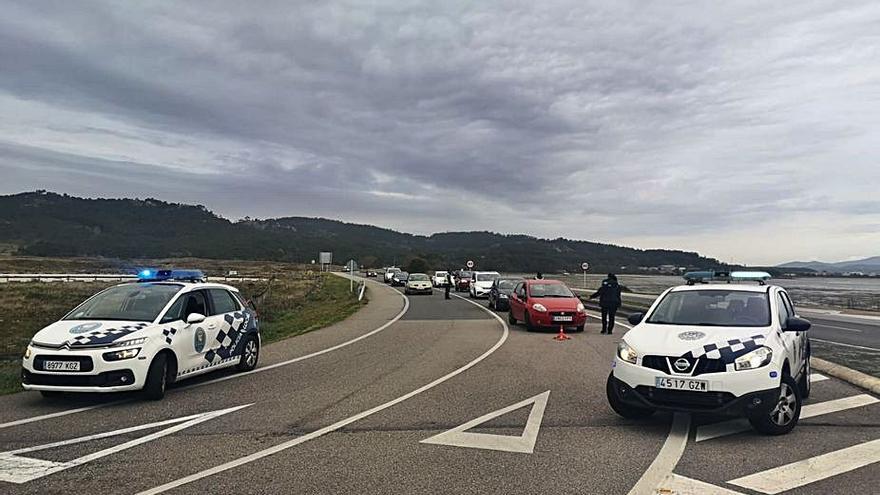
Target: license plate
pixel 681 384
pixel 61 365
pixel 563 318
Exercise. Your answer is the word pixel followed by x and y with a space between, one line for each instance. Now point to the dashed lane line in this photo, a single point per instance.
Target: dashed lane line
pixel 811 470
pixel 339 424
pixel 740 425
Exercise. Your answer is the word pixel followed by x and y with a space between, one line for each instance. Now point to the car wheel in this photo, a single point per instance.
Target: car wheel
pixel 782 416
pixel 804 384
pixel 510 318
pixel 250 354
pixel 157 378
pixel 622 408
pixel 528 322
pixel 580 328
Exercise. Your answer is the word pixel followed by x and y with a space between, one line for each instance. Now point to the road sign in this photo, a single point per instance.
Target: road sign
pixel 470 264
pixel 585 266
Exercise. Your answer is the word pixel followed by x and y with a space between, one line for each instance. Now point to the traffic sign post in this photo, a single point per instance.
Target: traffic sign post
pixel 585 266
pixel 470 264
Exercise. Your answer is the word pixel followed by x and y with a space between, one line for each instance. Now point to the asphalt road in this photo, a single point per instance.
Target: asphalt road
pixel 349 409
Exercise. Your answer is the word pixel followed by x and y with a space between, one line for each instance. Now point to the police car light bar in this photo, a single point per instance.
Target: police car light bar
pixel 704 277
pixel 153 275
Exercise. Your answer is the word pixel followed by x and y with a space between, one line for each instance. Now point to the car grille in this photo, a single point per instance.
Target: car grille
pixel 685 398
pixel 562 313
pixel 85 362
pixel 704 366
pixel 106 379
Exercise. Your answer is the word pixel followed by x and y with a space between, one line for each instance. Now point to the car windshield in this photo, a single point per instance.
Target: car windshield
pixel 549 290
pixel 130 302
pixel 486 277
pixel 465 274
pixel 715 307
pixel 402 275
pixel 439 274
pixel 507 284
pixel 418 277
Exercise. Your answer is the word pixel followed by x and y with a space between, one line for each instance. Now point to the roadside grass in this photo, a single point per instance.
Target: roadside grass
pixel 290 303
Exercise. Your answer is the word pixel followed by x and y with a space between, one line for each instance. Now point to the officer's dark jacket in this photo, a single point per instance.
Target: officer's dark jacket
pixel 608 294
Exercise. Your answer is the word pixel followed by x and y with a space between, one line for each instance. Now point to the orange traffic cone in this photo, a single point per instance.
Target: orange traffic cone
pixel 561 335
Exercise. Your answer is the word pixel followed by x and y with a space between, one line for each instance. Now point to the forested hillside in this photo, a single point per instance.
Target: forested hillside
pixel 48 224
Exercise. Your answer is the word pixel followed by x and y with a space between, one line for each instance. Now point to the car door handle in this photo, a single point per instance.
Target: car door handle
pixel 212 326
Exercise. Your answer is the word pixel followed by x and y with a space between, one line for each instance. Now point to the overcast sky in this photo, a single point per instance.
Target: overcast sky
pixel 746 131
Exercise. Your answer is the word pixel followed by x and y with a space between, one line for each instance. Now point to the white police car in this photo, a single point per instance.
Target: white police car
pixel 718 348
pixel 143 335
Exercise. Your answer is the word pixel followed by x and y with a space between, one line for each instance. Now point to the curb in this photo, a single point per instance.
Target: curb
pixel 849 375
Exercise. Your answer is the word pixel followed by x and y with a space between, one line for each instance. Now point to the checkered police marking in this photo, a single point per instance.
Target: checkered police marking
pixel 106 335
pixel 232 329
pixel 169 334
pixel 727 351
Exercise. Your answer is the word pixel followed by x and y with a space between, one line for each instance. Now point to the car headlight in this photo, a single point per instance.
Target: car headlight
pixel 755 359
pixel 539 307
pixel 129 343
pixel 627 353
pixel 120 355
pixel 581 307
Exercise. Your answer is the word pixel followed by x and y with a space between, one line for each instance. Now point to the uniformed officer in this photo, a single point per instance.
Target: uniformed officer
pixel 609 301
pixel 448 282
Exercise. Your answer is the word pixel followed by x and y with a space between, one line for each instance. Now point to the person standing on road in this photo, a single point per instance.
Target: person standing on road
pixel 609 301
pixel 448 282
pixel 539 276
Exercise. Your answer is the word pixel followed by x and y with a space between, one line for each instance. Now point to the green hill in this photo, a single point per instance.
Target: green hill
pixel 48 224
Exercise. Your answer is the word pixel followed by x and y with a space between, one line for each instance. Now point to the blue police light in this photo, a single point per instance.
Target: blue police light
pixel 149 275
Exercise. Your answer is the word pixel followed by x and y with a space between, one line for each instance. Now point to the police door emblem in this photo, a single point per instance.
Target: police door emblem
pixel 693 335
pixel 199 340
pixel 85 327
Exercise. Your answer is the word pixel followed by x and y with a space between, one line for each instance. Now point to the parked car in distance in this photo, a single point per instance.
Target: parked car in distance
pixel 371 274
pixel 481 283
pixel 439 278
pixel 418 283
pixel 399 279
pixel 463 281
pixel 546 304
pixel 499 294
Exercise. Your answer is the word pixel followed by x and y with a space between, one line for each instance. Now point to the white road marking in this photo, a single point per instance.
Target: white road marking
pixel 339 424
pixel 811 470
pixel 227 377
pixel 523 444
pixel 660 470
pixel 817 377
pixel 681 485
pixel 58 414
pixel 733 426
pixel 846 345
pixel 616 321
pixel 15 468
pixel 314 354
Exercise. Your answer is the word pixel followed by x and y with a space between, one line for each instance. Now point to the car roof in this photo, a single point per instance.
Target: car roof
pixel 187 286
pixel 736 287
pixel 531 281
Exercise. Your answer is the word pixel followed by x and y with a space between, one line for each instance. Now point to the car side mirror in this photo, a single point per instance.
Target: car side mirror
pixel 796 324
pixel 194 318
pixel 635 318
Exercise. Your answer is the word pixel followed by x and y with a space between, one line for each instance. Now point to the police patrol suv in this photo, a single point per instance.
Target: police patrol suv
pixel 711 347
pixel 167 326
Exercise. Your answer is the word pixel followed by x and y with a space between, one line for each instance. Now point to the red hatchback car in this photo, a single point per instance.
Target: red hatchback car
pixel 546 303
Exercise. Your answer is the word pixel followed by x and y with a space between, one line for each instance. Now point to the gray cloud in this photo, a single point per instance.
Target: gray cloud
pixel 732 129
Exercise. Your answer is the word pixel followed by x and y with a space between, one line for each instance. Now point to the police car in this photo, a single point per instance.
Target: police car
pixel 721 348
pixel 144 335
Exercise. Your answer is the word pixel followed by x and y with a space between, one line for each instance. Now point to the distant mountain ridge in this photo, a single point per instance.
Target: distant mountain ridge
pixel 48 224
pixel 867 265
